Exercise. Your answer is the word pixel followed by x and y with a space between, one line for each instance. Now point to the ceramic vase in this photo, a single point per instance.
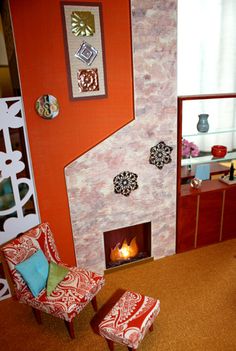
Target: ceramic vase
pixel 203 125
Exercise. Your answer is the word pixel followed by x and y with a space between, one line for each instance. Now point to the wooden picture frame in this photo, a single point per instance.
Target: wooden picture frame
pixel 84 49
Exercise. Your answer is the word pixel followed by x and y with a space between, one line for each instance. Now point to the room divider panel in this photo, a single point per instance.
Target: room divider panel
pixel 18 202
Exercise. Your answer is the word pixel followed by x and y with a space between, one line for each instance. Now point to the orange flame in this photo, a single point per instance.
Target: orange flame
pixel 126 251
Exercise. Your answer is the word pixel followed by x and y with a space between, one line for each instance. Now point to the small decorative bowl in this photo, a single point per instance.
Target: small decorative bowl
pixel 196 183
pixel 219 151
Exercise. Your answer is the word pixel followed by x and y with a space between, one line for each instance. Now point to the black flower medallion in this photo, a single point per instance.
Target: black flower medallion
pixel 160 154
pixel 125 182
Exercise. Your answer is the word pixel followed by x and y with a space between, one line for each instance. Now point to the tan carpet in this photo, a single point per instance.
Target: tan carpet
pixel 197 291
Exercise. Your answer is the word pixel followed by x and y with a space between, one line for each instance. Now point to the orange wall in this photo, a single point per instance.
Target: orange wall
pixel 81 124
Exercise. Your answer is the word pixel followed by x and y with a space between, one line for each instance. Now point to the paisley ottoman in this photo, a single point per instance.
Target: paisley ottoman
pixel 129 320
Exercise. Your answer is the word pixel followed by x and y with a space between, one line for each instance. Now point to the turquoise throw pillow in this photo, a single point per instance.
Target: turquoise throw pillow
pixel 34 271
pixel 56 274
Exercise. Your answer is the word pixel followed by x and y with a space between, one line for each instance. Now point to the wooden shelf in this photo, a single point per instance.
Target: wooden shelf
pixel 207 185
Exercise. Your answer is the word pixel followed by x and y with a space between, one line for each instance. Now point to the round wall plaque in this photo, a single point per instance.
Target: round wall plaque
pixel 47 106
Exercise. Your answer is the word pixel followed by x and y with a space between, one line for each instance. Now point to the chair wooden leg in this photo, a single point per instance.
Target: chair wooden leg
pixel 151 328
pixel 110 344
pixel 70 328
pixel 94 304
pixel 37 315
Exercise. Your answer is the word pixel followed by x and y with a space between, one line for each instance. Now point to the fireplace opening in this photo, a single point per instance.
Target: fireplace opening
pixel 128 244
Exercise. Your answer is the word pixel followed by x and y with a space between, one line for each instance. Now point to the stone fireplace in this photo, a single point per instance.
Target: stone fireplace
pixel 95 207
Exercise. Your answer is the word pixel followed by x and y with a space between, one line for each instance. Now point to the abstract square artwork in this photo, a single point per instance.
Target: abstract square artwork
pixel 82 23
pixel 88 80
pixel 86 53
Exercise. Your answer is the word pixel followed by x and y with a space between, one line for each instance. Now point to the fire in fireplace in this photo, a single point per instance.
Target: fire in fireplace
pixel 129 244
pixel 125 251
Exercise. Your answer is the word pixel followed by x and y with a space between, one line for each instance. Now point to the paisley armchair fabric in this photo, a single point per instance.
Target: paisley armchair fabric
pixel 71 295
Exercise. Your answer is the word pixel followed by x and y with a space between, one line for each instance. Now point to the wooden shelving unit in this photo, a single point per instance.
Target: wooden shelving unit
pixel 205 215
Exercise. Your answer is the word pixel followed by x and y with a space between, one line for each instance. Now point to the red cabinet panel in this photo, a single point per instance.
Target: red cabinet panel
pixel 229 227
pixel 209 218
pixel 186 223
pixel 205 215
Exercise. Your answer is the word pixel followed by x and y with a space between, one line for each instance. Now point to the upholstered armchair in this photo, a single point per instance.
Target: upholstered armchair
pixel 75 288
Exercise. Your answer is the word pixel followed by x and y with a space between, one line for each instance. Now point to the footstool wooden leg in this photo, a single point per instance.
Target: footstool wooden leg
pixel 37 315
pixel 110 344
pixel 94 303
pixel 151 328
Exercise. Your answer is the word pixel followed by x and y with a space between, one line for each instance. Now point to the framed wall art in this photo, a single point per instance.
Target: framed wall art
pixel 84 49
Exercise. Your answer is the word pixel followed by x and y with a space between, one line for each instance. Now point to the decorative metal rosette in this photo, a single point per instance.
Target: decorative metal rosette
pixel 160 154
pixel 125 182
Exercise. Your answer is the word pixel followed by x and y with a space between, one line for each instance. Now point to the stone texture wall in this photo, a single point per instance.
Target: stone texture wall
pixel 94 206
